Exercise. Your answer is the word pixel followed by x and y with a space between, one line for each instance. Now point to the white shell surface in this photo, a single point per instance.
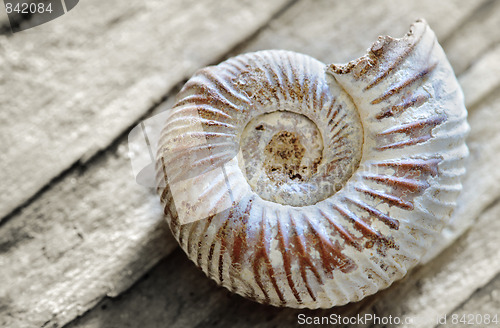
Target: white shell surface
pixel 300 184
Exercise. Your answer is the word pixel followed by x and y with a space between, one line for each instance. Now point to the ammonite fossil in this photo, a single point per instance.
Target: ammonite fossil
pixel 300 184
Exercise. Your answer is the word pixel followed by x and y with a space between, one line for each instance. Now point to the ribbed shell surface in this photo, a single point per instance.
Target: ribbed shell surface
pixel 393 120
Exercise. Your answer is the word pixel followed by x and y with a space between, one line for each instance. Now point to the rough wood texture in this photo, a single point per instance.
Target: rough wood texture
pixel 106 70
pixel 73 244
pixel 479 30
pixel 61 260
pixel 485 300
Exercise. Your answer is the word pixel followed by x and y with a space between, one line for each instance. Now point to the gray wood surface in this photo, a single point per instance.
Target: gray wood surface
pixel 82 229
pixel 104 64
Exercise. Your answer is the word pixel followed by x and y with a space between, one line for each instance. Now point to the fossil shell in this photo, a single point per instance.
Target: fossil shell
pixel 300 184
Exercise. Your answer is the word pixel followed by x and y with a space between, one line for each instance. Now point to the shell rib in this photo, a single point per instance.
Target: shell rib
pixel 300 184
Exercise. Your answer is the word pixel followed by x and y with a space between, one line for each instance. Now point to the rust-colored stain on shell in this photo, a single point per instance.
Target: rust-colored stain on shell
pixel 300 184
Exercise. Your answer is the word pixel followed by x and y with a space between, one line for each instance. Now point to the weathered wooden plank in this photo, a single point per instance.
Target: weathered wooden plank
pixel 482 78
pixel 339 32
pixel 96 231
pixel 485 301
pixel 92 235
pixel 4 23
pixel 474 37
pixel 188 298
pixel 77 82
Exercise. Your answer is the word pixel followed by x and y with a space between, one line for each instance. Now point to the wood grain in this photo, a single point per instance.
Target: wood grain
pixel 474 37
pixel 77 243
pixel 104 64
pixel 484 301
pixel 334 32
pixel 482 79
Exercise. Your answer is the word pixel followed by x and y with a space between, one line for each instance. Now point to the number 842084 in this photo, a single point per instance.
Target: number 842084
pixel 28 8
pixel 475 319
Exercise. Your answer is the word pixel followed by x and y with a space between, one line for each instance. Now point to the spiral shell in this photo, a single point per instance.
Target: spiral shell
pixel 300 184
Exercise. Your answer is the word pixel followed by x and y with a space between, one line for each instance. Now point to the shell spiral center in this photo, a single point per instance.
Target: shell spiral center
pixel 281 152
pixel 284 160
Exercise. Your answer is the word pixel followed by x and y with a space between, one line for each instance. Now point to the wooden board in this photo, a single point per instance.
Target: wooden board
pixel 94 231
pixel 75 84
pixel 484 301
